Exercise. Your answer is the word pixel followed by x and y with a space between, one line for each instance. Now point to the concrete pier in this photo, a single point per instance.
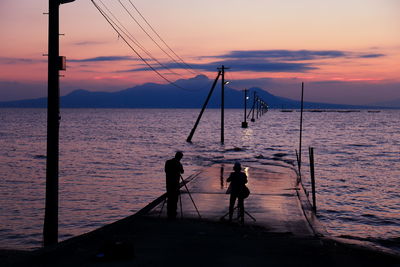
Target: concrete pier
pixel 285 232
pixel 273 201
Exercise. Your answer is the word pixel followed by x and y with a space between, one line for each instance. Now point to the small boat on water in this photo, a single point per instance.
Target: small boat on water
pixel 373 111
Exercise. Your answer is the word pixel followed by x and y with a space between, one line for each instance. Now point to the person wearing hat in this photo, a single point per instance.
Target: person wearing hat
pixel 173 170
pixel 238 181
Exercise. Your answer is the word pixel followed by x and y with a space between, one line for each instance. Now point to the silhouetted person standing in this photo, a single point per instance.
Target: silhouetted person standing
pixel 238 179
pixel 173 171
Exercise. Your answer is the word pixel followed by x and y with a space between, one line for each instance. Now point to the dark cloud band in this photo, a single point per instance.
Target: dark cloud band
pixel 268 60
pixel 106 58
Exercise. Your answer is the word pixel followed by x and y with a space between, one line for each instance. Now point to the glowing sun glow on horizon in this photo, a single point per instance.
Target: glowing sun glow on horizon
pixel 348 41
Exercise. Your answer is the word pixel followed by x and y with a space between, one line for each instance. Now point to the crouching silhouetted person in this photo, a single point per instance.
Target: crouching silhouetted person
pixel 238 190
pixel 173 170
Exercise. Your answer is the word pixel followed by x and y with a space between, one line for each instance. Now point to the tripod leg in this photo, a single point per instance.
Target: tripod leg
pixel 241 210
pixel 248 214
pixel 180 202
pixel 190 195
pixel 240 215
pixel 226 214
pixel 162 207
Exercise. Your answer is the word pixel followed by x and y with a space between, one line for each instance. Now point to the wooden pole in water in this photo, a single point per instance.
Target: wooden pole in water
pixel 222 69
pixel 301 123
pixel 222 103
pixel 264 107
pixel 254 106
pixel 258 108
pixel 189 139
pixel 311 154
pixel 298 166
pixel 244 123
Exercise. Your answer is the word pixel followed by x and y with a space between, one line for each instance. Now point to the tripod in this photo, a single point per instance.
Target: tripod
pixel 180 201
pixel 239 214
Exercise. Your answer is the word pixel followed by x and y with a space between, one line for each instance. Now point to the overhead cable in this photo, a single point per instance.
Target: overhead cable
pixel 133 49
pixel 162 40
pixel 152 39
pixel 134 40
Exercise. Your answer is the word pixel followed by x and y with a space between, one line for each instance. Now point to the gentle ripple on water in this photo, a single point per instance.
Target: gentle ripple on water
pixel 111 164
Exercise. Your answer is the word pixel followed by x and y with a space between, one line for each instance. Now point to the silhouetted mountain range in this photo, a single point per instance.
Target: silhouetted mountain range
pixel 152 95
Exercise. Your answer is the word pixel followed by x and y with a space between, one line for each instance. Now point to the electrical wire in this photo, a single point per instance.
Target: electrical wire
pixel 162 40
pixel 114 25
pixel 133 49
pixel 135 41
pixel 151 38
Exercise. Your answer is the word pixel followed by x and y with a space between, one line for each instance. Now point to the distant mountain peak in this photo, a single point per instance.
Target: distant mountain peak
pixel 196 81
pixel 200 77
pixel 258 89
pixel 78 92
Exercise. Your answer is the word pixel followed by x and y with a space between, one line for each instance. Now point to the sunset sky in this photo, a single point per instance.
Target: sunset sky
pixel 346 51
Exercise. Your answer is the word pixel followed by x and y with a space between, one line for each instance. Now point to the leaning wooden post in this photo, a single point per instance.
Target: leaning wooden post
pixel 311 154
pixel 189 139
pixel 298 166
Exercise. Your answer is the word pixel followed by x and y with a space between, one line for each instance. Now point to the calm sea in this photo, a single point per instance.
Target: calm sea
pixel 111 164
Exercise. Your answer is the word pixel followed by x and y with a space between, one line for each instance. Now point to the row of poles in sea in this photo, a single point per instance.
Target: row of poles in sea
pixel 259 108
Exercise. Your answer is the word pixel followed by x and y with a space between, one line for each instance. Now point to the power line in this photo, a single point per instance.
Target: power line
pixel 162 40
pixel 133 49
pixel 151 38
pixel 114 25
pixel 134 40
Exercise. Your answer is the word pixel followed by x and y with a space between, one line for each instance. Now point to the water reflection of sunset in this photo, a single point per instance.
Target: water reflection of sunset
pixel 111 163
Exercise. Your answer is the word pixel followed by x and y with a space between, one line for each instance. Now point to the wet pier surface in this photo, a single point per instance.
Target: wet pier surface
pixel 273 202
pixel 280 235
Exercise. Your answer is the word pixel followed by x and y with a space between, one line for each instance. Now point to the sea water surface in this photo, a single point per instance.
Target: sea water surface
pixel 111 165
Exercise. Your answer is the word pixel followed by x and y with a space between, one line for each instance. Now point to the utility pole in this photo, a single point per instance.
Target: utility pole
pixel 301 126
pixel 244 123
pixel 262 108
pixel 189 139
pixel 254 106
pixel 222 69
pixel 55 64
